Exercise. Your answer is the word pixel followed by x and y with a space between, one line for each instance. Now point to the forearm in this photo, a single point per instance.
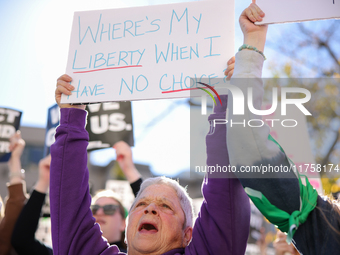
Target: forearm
pixel 250 146
pixel 41 186
pixel 225 201
pixel 23 238
pixel 14 205
pixel 14 166
pixel 255 40
pixel 225 190
pixel 73 228
pixel 132 174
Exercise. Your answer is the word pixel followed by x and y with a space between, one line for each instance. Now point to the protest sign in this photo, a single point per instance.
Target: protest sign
pixel 44 231
pixel 148 52
pixel 52 123
pixel 295 11
pixel 107 124
pixel 123 190
pixel 9 124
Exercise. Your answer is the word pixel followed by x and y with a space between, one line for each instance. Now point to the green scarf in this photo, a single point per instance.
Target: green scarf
pixel 285 222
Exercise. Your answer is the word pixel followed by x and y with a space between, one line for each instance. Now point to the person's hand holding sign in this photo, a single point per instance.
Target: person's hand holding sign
pixel 64 87
pixel 254 35
pixel 230 69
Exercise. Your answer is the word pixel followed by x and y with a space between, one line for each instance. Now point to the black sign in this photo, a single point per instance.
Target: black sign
pixel 109 123
pixel 9 124
pixel 53 118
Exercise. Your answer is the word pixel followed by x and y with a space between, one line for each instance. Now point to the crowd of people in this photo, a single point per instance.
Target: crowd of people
pixel 20 220
pixel 160 220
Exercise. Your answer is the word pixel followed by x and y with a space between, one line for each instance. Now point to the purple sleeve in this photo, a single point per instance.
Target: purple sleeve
pixel 222 226
pixel 73 228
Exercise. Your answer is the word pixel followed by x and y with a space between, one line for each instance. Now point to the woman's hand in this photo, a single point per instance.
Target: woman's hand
pixel 16 146
pixel 254 35
pixel 230 69
pixel 124 159
pixel 64 87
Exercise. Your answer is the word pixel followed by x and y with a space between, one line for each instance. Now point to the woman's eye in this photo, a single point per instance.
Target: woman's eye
pixel 140 204
pixel 166 206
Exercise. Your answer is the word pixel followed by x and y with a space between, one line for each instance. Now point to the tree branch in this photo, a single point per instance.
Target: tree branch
pixel 325 160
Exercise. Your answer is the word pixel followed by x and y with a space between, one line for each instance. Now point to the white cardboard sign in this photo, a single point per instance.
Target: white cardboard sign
pixel 278 11
pixel 123 190
pixel 148 52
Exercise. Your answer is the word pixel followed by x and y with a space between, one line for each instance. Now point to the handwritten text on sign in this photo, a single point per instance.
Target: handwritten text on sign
pixel 278 11
pixel 107 124
pixel 148 52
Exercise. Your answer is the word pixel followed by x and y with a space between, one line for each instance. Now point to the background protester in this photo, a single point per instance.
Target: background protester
pixel 16 193
pixel 282 247
pixel 110 215
pixel 106 206
pixel 295 208
pixel 125 161
pixel 23 238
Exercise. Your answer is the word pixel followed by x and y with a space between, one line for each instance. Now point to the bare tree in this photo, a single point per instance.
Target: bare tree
pixel 313 50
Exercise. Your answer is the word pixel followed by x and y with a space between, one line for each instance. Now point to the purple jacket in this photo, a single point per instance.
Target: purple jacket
pixel 221 228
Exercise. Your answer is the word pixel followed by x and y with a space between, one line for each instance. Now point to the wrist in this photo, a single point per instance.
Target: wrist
pixel 14 159
pixel 249 47
pixel 20 174
pixel 41 186
pixel 16 176
pixel 132 174
pixel 75 106
pixel 255 41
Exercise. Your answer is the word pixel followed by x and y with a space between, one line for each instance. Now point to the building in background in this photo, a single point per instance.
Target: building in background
pixel 35 138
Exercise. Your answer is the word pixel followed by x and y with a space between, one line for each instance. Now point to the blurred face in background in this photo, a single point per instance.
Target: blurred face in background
pixel 107 214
